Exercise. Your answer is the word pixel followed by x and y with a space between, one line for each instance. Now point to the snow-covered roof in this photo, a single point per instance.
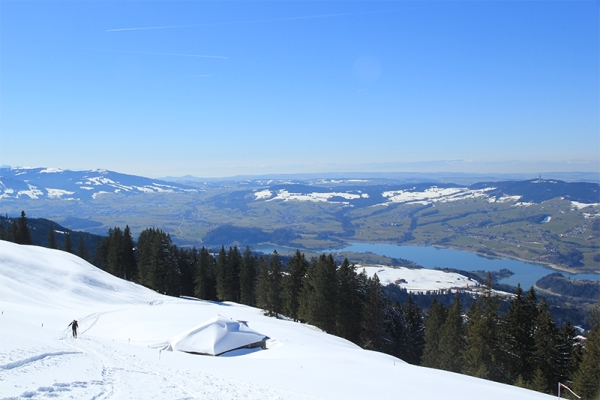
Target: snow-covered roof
pixel 215 337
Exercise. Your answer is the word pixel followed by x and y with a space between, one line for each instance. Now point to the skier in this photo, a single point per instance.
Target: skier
pixel 74 326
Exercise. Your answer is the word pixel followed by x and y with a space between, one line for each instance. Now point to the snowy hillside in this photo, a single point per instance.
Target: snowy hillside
pixel 114 357
pixel 58 184
pixel 418 280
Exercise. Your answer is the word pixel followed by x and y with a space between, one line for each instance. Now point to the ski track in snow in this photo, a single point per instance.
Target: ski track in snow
pixel 120 376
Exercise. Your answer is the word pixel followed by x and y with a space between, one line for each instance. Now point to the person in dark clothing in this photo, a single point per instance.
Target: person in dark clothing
pixel 74 326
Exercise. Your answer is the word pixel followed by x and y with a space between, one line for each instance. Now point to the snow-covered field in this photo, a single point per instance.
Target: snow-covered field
pixel 42 290
pixel 418 280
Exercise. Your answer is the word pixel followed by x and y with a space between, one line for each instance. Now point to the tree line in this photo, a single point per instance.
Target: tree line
pixel 520 346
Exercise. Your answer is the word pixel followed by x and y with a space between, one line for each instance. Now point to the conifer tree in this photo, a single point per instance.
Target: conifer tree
pixel 274 302
pixel 222 272
pixel 292 284
pixel 81 249
pixel 319 294
pixel 234 261
pixel 262 283
pixel 373 316
pixel 22 234
pixel 128 255
pixel 52 238
pixel 452 339
pixel 482 352
pixel 516 342
pixel 248 277
pixel 546 353
pixel 186 263
pixel 414 331
pixel 586 382
pixel 436 317
pixel 349 303
pixel 68 244
pixel 205 276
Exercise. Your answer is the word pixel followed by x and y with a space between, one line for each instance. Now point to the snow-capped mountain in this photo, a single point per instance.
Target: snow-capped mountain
pixel 54 183
pixel 115 355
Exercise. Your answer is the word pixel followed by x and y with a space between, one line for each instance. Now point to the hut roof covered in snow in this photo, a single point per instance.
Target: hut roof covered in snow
pixel 216 336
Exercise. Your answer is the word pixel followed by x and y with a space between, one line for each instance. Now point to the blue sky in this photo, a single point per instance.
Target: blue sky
pixel 225 88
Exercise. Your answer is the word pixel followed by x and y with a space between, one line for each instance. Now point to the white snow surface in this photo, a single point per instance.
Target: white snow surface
pixel 42 290
pixel 214 337
pixel 418 280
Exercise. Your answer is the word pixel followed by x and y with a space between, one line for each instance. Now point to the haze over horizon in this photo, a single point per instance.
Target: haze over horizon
pixel 218 89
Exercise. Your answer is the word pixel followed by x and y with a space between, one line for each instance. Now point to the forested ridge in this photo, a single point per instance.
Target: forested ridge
pixel 521 345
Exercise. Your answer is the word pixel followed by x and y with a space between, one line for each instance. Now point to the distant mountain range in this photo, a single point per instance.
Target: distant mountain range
pixel 545 220
pixel 58 184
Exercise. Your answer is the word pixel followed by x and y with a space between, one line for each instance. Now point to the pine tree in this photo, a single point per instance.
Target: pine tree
pixel 436 317
pixel 68 244
pixel 81 249
pixel 223 274
pixel 248 277
pixel 292 284
pixel 52 238
pixel 22 235
pixel 319 294
pixel 586 382
pixel 186 263
pixel 205 279
pixel 516 342
pixel 414 331
pixel 262 284
pixel 546 354
pixel 274 302
pixel 452 339
pixel 482 353
pixel 373 316
pixel 128 255
pixel 349 304
pixel 234 261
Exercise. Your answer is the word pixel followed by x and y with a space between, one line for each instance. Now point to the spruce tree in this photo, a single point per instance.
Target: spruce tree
pixel 205 276
pixel 586 382
pixel 186 263
pixel 292 284
pixel 262 284
pixel 320 294
pixel 373 316
pixel 68 244
pixel 234 261
pixel 222 272
pixel 546 354
pixel 81 249
pixel 248 277
pixel 22 234
pixel 274 277
pixel 452 339
pixel 482 352
pixel 349 304
pixel 52 238
pixel 436 317
pixel 414 332
pixel 128 255
pixel 516 342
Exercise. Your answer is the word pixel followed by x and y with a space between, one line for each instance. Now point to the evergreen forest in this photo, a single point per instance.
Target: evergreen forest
pixel 515 341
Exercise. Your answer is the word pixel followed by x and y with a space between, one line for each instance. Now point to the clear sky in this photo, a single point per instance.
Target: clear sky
pixel 212 89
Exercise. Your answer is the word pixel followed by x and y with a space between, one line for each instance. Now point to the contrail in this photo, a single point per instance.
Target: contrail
pixel 246 22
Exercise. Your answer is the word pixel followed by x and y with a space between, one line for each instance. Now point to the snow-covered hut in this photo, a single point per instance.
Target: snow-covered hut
pixel 217 336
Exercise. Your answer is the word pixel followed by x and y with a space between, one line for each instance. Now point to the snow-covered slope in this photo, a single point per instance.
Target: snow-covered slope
pixel 58 184
pixel 418 280
pixel 42 290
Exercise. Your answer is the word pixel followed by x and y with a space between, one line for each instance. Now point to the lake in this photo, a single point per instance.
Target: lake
pixel 525 273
